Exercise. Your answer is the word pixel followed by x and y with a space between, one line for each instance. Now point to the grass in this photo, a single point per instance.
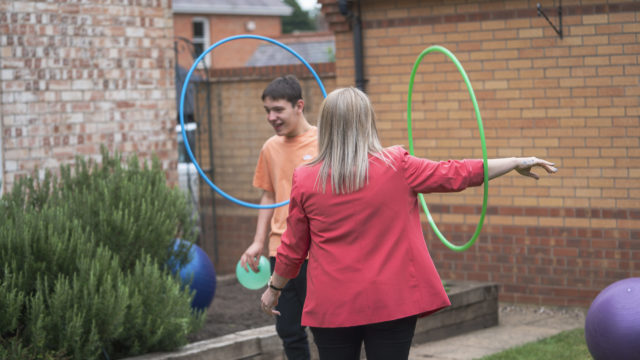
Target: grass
pixel 567 345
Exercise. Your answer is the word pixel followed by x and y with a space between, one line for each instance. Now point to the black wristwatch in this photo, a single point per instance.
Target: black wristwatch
pixel 273 287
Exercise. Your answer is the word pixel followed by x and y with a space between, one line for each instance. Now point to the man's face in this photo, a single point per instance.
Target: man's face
pixel 284 117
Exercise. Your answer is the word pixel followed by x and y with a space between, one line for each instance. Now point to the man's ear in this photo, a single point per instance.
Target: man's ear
pixel 300 105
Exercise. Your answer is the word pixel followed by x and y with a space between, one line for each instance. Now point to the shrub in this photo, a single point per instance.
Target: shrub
pixel 84 259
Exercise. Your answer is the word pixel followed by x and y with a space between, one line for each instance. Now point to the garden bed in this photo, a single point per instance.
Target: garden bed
pixel 237 329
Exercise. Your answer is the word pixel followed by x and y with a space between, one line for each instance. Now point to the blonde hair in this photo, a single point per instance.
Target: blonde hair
pixel 347 135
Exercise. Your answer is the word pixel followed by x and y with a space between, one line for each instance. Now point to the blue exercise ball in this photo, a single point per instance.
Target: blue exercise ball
pixel 612 326
pixel 200 274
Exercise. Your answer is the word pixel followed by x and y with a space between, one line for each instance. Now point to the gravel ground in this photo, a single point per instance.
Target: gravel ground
pixel 234 308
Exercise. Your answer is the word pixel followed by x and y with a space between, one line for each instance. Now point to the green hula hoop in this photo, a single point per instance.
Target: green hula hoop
pixel 452 57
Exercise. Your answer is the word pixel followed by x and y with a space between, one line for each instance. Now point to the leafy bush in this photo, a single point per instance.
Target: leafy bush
pixel 84 263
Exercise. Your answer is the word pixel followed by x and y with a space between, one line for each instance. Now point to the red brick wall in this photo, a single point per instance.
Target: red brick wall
pixel 237 53
pixel 574 101
pixel 239 129
pixel 76 76
pixel 231 54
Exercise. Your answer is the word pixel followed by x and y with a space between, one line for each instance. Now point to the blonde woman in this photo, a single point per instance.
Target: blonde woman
pixel 354 211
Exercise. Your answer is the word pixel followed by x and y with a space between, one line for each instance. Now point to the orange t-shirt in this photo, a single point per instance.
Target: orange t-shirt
pixel 279 156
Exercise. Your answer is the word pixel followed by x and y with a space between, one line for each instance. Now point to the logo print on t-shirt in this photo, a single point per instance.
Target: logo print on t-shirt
pixel 306 157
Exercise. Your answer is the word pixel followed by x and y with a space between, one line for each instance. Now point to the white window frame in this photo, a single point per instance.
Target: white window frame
pixel 205 41
pixel 190 129
pixel 2 180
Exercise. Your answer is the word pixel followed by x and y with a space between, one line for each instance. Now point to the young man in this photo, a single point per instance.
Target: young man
pixel 294 144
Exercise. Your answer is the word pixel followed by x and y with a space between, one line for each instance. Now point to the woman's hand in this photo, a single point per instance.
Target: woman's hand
pixel 524 165
pixel 269 301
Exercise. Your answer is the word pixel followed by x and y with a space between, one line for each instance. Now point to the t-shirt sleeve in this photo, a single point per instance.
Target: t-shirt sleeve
pixel 262 176
pixel 427 176
pixel 296 239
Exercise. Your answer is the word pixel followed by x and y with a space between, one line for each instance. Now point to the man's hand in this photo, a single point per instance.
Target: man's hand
pixel 251 257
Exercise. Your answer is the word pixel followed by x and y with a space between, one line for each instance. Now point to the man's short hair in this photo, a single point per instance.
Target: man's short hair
pixel 284 88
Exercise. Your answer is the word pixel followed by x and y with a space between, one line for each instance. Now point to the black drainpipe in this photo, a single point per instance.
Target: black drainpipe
pixel 356 25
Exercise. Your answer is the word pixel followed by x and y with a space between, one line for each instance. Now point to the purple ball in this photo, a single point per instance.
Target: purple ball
pixel 612 326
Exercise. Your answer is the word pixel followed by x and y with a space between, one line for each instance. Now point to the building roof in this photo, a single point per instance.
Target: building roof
pixel 232 7
pixel 315 49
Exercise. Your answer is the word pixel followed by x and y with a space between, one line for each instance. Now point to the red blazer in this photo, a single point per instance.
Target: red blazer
pixel 368 260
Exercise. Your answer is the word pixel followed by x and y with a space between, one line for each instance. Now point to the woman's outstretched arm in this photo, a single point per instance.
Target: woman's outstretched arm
pixel 523 165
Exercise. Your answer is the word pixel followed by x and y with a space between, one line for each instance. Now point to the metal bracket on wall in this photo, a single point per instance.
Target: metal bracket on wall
pixel 558 30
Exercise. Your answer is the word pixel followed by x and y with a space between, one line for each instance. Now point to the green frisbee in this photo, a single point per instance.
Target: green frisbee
pixel 449 54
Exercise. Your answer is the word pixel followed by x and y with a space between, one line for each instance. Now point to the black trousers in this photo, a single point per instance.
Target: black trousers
pixel 288 324
pixel 389 340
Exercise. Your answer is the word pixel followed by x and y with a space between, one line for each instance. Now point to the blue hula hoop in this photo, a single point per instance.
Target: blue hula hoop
pixel 184 133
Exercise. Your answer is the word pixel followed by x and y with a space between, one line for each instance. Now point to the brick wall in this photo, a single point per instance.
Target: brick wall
pixel 574 101
pixel 231 54
pixel 75 76
pixel 239 129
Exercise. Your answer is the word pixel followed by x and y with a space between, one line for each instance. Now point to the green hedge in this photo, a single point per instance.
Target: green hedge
pixel 84 257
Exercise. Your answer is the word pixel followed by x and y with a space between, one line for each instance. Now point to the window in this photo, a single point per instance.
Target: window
pixel 200 37
pixel 188 178
pixel 1 163
pixel 190 130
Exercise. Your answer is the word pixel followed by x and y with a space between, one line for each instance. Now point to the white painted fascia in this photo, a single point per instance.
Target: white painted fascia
pixel 231 9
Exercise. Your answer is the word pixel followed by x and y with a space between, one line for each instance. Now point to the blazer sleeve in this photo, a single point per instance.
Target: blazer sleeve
pixel 296 239
pixel 427 176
